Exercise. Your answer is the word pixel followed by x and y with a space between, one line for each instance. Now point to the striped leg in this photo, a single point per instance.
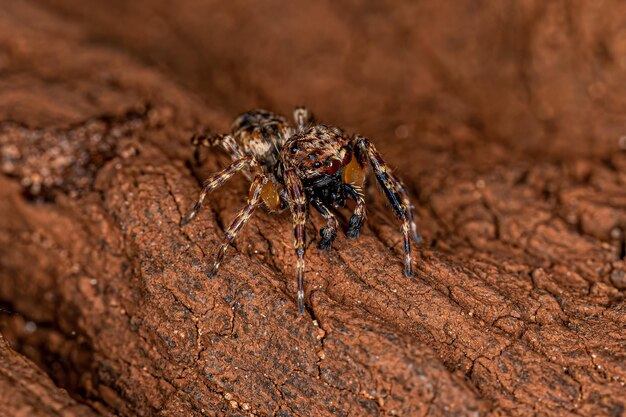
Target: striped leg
pixel 215 181
pixel 411 208
pixel 358 217
pixel 207 139
pixel 254 197
pixel 328 232
pixel 363 149
pixel 298 206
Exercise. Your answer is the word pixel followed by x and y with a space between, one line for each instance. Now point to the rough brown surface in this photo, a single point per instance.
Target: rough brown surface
pixel 505 119
pixel 28 392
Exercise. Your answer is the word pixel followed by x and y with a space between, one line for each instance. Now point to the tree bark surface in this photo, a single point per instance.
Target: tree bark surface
pixel 506 122
pixel 28 392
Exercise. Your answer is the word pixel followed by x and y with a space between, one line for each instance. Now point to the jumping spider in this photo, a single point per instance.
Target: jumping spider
pixel 297 166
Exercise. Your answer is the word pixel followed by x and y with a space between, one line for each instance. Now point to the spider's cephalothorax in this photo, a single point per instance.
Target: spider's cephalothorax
pixel 300 166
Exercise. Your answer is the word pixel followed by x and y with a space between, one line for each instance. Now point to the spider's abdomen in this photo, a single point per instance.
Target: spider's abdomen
pixel 261 134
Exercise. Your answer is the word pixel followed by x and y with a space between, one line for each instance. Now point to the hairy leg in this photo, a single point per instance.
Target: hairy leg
pixel 365 150
pixel 215 181
pixel 328 232
pixel 410 207
pixel 207 139
pixel 298 206
pixel 254 198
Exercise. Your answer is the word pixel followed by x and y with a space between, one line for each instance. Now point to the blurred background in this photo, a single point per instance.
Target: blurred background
pixel 541 78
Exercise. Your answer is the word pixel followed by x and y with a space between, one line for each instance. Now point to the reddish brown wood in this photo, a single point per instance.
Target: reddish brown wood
pixel 504 120
pixel 26 391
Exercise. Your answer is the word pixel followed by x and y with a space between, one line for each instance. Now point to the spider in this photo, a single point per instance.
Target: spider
pixel 298 166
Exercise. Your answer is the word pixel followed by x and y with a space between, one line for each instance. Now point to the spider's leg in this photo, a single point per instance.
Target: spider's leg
pixel 254 198
pixel 358 217
pixel 363 148
pixel 410 207
pixel 215 181
pixel 298 206
pixel 302 116
pixel 207 139
pixel 328 232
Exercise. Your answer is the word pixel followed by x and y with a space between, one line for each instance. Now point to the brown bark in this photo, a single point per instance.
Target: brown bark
pixel 507 123
pixel 28 392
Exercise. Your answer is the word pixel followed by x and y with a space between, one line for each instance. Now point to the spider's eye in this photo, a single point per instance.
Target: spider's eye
pixel 333 166
pixel 317 164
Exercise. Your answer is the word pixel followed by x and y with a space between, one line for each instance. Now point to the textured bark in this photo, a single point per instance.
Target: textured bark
pixel 28 392
pixel 504 120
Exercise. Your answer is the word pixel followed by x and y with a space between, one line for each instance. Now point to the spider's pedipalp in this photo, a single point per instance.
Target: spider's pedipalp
pixel 270 196
pixel 358 217
pixel 254 198
pixel 328 233
pixel 216 180
pixel 364 150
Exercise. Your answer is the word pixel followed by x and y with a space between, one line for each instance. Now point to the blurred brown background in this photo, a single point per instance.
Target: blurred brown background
pixel 542 77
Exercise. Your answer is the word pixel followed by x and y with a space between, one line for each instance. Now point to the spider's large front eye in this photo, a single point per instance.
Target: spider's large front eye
pixel 317 164
pixel 333 166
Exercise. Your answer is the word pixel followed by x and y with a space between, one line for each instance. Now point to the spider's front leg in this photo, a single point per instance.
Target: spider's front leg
pixel 410 207
pixel 254 198
pixel 328 232
pixel 208 140
pixel 364 150
pixel 298 206
pixel 216 180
